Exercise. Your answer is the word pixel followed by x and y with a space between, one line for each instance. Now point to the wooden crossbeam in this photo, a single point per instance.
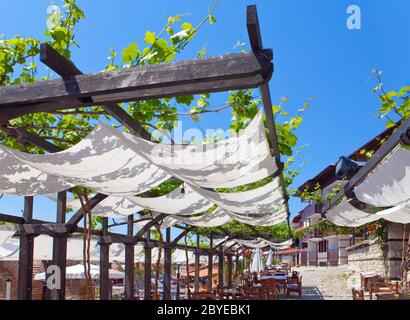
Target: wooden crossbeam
pixel 148 226
pixel 213 74
pixel 255 37
pixel 67 69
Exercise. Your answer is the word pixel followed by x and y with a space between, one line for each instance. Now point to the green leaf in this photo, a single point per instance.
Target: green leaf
pixel 130 53
pixel 150 37
pixel 212 19
pixel 403 91
pixel 186 26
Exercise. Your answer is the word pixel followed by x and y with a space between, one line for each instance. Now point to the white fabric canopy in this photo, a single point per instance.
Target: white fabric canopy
pixel 228 163
pixel 216 218
pixel 17 178
pixel 263 221
pixel 77 272
pixel 345 214
pixel 264 200
pixel 101 161
pixel 261 243
pixel 389 183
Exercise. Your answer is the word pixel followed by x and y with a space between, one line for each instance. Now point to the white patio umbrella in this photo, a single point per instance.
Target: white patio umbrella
pixel 257 263
pixel 269 262
pixel 77 272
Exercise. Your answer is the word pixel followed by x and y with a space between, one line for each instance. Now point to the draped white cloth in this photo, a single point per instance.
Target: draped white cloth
pixel 261 243
pixel 264 200
pixel 101 161
pixel 232 162
pixel 121 165
pixel 262 221
pixel 389 183
pixel 175 202
pixel 346 215
pixel 216 218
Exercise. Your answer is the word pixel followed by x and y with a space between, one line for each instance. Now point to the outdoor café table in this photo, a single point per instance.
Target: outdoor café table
pixel 393 296
pixel 282 279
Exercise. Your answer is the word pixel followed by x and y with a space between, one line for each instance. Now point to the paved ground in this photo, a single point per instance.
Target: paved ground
pixel 333 283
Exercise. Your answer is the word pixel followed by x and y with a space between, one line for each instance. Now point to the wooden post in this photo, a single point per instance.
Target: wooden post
pixel 104 265
pixel 196 283
pixel 60 248
pixel 210 264
pixel 129 261
pixel 167 265
pixel 178 294
pixel 25 279
pixel 147 267
pixel 221 270
pixel 229 271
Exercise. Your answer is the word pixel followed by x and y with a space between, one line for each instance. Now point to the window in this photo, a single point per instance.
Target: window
pixel 322 246
pixel 306 223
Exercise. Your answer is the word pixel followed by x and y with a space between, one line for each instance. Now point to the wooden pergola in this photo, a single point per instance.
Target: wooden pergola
pixel 214 74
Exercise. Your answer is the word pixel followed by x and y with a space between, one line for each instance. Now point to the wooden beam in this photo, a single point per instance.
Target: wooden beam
pixel 56 62
pixel 197 258
pixel 104 266
pixel 67 69
pixel 25 267
pixel 221 270
pixel 147 267
pixel 255 37
pixel 180 236
pixel 10 218
pixel 60 248
pixel 148 226
pixel 252 24
pixel 213 74
pixel 395 139
pixel 210 264
pixel 167 265
pixel 229 271
pixel 129 261
pixel 76 218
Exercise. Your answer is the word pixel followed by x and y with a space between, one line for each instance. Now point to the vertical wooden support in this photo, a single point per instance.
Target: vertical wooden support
pixel 229 271
pixel 60 248
pixel 147 267
pixel 104 265
pixel 25 279
pixel 221 270
pixel 210 264
pixel 196 283
pixel 237 262
pixel 129 261
pixel 353 236
pixel 167 265
pixel 178 293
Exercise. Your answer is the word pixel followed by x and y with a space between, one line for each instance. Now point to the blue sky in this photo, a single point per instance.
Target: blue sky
pixel 315 54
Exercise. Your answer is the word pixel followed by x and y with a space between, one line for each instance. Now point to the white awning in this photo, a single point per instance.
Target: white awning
pixel 346 215
pixel 389 183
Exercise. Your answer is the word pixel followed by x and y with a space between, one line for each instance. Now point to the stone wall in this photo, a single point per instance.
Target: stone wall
pixel 366 257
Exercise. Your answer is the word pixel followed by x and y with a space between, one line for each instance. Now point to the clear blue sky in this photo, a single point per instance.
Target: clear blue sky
pixel 315 55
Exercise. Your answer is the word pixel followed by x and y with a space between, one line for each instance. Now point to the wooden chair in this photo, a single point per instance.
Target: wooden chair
pixel 294 285
pixel 357 294
pixel 273 288
pixel 262 292
pixel 249 297
pixel 383 287
pixel 203 296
